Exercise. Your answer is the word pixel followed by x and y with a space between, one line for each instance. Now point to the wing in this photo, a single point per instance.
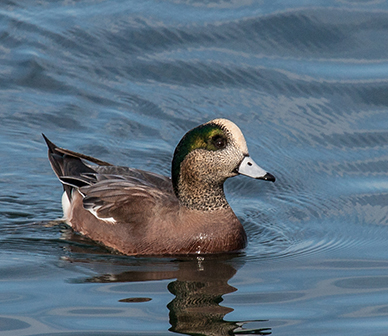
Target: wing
pixel 137 176
pixel 132 198
pixel 112 193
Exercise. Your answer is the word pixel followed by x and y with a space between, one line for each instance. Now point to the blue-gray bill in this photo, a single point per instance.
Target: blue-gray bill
pixel 248 167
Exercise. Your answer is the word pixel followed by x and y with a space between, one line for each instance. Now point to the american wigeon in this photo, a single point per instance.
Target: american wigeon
pixel 141 213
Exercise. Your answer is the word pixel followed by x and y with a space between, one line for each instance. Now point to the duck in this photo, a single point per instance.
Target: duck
pixel 138 213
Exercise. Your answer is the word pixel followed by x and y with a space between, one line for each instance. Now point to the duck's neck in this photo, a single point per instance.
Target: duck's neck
pixel 201 196
pixel 196 183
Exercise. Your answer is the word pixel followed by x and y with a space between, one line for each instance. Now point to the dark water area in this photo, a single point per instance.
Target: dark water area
pixel 307 83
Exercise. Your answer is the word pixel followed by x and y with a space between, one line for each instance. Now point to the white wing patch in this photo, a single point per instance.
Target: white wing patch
pixel 94 210
pixel 66 206
pixel 67 209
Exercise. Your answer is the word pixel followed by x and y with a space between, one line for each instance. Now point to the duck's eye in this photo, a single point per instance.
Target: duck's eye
pixel 219 142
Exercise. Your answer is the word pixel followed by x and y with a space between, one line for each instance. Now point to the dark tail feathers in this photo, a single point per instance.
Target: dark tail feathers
pixel 67 165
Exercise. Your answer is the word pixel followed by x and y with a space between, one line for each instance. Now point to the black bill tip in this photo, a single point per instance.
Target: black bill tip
pixel 268 177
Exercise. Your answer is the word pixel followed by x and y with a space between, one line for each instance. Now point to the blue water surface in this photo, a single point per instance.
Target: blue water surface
pixel 306 81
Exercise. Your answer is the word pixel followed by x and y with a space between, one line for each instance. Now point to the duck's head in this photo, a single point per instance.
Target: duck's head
pixel 205 157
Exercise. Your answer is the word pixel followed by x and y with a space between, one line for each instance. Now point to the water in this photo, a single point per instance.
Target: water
pixel 306 81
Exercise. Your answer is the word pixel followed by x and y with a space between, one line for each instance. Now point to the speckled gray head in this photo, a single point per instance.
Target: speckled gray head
pixel 205 157
pixel 247 166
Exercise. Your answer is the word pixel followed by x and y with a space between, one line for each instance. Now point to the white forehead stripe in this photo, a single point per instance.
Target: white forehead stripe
pixel 235 132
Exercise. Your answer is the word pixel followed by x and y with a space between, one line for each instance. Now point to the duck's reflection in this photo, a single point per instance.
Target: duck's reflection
pixel 199 285
pixel 196 308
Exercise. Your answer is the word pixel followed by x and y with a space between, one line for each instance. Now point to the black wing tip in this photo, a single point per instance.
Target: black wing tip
pixel 46 139
pixel 50 144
